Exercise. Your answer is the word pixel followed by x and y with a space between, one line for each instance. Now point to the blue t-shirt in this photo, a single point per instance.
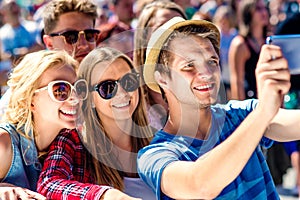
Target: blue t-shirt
pixel 25 35
pixel 254 182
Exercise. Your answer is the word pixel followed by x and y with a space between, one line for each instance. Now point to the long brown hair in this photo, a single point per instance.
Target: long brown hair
pixel 246 10
pixel 104 163
pixel 143 29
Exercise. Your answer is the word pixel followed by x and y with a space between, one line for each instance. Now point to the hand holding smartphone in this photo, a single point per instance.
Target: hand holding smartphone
pixel 290 46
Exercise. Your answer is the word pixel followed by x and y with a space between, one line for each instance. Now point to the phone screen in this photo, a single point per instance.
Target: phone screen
pixel 290 46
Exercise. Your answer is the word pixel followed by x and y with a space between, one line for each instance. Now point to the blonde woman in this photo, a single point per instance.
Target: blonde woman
pixel 45 99
pixel 116 127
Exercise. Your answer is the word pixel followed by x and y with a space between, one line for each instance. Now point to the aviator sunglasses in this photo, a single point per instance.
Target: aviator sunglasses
pixel 61 91
pixel 71 36
pixel 108 89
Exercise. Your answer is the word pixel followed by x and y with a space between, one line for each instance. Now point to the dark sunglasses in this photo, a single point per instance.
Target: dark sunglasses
pixel 71 36
pixel 108 89
pixel 61 91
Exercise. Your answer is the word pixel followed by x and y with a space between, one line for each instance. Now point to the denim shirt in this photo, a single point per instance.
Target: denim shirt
pixel 25 166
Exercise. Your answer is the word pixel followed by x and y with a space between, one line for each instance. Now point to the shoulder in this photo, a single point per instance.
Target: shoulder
pixel 237 111
pixel 66 139
pixel 5 141
pixel 5 152
pixel 70 136
pixel 5 32
pixel 165 146
pixel 239 49
pixel 246 105
pixel 239 42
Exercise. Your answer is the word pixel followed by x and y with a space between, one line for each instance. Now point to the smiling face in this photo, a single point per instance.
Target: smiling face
pixel 45 109
pixel 122 105
pixel 195 71
pixel 72 21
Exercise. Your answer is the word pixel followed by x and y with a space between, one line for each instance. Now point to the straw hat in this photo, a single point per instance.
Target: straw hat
pixel 159 37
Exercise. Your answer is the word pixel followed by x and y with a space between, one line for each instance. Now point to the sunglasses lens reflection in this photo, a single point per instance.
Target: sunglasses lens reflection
pixel 130 82
pixel 81 89
pixel 61 91
pixel 107 89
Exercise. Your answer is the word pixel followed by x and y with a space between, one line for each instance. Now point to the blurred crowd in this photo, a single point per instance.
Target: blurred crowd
pixel 244 27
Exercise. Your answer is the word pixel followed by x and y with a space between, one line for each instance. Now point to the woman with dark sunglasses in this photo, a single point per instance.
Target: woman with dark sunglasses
pixel 43 102
pixel 115 127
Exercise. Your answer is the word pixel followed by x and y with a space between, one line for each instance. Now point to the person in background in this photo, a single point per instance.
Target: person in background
pixel 100 161
pixel 117 37
pixel 70 25
pixel 5 68
pixel 45 98
pixel 123 13
pixel 153 16
pixel 245 47
pixel 139 5
pixel 17 36
pixel 117 32
pixel 187 6
pixel 208 150
pixel 209 8
pixel 224 20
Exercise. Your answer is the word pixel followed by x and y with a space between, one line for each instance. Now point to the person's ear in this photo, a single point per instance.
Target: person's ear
pixel 161 79
pixel 32 106
pixel 48 42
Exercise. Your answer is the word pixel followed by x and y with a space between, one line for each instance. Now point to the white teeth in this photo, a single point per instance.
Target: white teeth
pixel 121 105
pixel 204 87
pixel 69 112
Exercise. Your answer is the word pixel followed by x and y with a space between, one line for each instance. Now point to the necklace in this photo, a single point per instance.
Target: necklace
pixel 255 44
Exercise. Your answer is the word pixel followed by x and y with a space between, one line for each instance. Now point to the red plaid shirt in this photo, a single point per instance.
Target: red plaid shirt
pixel 64 175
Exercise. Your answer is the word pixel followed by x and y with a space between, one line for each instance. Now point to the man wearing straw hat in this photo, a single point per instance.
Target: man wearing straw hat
pixel 208 150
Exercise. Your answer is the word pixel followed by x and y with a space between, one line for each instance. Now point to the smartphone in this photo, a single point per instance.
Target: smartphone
pixel 290 46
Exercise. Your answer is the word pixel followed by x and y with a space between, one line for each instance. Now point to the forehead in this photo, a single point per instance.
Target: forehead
pixel 110 70
pixel 74 21
pixel 192 46
pixel 58 72
pixel 162 15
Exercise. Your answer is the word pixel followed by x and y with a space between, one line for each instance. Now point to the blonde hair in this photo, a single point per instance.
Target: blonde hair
pixel 106 164
pixel 24 80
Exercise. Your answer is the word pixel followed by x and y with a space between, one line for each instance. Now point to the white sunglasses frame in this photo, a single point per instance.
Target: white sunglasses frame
pixel 50 90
